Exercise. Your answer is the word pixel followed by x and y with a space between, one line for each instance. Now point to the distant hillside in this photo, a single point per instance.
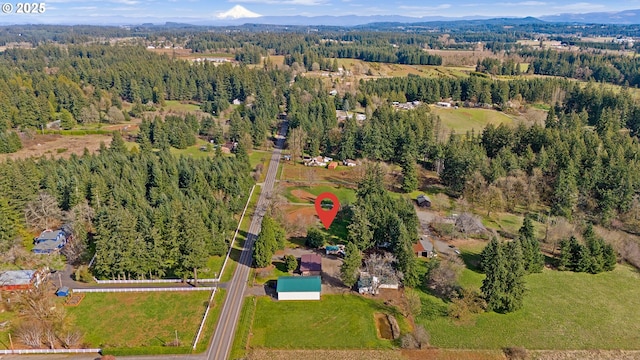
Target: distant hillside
pixel 620 17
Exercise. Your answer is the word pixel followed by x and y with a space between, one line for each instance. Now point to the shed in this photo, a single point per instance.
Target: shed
pixel 423 248
pixel 332 165
pixel 310 264
pixel 299 288
pixel 423 200
pixel 63 291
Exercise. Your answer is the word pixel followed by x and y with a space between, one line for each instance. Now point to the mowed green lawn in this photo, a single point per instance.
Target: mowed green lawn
pixel 134 320
pixel 344 195
pixel 462 120
pixel 337 321
pixel 562 310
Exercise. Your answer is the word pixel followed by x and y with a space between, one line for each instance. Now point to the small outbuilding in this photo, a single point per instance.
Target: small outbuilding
pixel 423 248
pixel 423 201
pixel 63 291
pixel 332 165
pixel 310 265
pixel 299 288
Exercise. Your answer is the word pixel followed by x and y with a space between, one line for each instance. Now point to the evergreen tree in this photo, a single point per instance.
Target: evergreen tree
pixel 266 243
pixel 410 176
pixel 494 285
pixel 351 265
pixel 359 230
pixel 514 282
pixel 564 261
pixel 532 256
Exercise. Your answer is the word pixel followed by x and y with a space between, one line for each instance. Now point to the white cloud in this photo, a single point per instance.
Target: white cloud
pixel 523 3
pixel 84 8
pixel 125 2
pixel 283 2
pixel 425 8
pixel 580 7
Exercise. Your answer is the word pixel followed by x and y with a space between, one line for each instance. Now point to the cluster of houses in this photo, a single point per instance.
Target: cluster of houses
pixel 322 161
pixel 409 105
pixel 342 115
pixel 48 242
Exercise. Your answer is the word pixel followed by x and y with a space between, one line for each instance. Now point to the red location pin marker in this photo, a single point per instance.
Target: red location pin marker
pixel 327 215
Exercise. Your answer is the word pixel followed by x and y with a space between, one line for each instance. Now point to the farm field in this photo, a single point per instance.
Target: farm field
pixel 462 120
pixel 562 311
pixel 142 320
pixel 335 322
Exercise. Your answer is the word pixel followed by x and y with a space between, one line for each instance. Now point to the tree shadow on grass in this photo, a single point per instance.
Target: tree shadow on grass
pixel 550 261
pixel 472 261
pixel 280 266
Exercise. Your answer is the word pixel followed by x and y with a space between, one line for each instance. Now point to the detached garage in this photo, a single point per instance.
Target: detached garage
pixel 299 288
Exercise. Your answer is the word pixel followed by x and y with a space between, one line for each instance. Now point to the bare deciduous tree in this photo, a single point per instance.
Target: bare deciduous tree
pixel 380 267
pixel 70 339
pixel 296 141
pixel 42 212
pixel 443 279
pixel 30 333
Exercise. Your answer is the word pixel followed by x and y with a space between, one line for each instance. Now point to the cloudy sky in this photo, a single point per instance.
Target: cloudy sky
pixel 89 11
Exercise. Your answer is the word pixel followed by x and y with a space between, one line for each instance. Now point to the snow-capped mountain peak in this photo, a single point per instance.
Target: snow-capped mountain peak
pixel 237 12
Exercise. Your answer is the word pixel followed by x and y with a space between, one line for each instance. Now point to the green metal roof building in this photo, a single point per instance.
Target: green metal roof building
pixel 299 287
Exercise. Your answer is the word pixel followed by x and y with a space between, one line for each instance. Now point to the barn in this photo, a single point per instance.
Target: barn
pixel 299 288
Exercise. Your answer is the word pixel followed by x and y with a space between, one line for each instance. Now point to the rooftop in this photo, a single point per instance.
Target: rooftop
pixel 49 235
pixel 299 284
pixel 310 262
pixel 16 277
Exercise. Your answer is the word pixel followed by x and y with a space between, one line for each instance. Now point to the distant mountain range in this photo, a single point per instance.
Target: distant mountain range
pixel 625 17
pixel 239 15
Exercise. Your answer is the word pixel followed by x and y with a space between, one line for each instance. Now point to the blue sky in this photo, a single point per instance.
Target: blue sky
pixel 99 11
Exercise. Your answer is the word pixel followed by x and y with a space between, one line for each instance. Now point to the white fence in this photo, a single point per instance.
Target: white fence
pixel 159 289
pixel 50 351
pixel 158 281
pixel 204 319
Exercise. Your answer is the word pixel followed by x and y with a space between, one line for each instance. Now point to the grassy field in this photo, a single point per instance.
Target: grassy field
pixel 175 105
pixel 562 310
pixel 462 120
pixel 214 265
pixel 193 151
pixel 140 320
pixel 337 321
pixel 345 195
pixel 212 320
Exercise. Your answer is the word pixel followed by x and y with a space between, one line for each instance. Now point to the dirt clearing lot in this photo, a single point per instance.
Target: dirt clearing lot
pixel 58 146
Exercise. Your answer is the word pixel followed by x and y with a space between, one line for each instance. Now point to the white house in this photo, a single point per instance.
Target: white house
pixel 443 104
pixel 299 288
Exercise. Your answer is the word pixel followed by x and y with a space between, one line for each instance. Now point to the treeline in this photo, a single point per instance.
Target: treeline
pixel 149 213
pixel 610 68
pixel 368 46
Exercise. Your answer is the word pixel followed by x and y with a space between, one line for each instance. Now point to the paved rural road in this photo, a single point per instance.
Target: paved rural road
pixel 220 345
